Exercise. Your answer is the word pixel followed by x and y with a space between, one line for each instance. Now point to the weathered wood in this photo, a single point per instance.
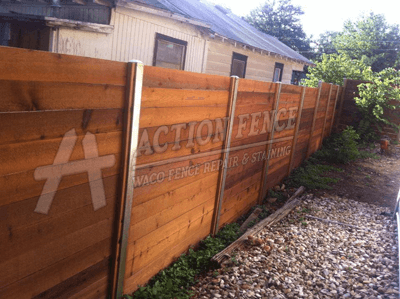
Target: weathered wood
pixel 253 216
pixel 85 26
pixel 270 220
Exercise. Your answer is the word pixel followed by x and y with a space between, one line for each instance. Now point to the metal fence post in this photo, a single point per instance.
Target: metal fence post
pixel 328 101
pixel 303 94
pixel 264 173
pixel 134 85
pixel 314 119
pixel 225 154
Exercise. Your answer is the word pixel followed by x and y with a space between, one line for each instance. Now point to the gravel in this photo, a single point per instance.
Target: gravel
pixel 353 256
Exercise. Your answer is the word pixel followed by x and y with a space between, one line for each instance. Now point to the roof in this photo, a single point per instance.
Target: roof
pixel 228 25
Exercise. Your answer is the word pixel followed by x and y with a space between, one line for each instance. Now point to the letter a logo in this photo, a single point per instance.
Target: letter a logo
pixel 92 164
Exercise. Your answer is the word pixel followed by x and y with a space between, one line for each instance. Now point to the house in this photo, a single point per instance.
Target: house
pixel 191 35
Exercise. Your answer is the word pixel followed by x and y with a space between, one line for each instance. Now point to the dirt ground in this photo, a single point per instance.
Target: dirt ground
pixel 375 181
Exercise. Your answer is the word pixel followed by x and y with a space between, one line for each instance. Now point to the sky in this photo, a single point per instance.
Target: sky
pixel 321 16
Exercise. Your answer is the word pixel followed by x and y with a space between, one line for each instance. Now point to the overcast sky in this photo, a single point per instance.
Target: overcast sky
pixel 321 16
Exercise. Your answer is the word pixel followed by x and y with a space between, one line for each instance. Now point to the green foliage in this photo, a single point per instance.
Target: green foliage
pixel 333 68
pixel 281 19
pixel 370 39
pixel 174 281
pixel 340 148
pixel 376 98
pixel 311 175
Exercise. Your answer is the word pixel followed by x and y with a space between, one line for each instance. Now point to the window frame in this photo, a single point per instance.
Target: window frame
pixel 160 36
pixel 280 66
pixel 240 57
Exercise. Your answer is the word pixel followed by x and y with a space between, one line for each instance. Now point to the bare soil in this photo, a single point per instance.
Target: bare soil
pixel 375 181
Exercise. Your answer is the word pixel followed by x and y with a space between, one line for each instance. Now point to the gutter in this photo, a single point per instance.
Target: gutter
pixel 160 12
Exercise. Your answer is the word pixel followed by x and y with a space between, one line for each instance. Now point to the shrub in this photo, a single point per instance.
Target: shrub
pixel 340 148
pixel 377 97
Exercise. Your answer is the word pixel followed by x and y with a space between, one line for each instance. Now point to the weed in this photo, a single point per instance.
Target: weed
pixel 340 148
pixel 368 176
pixel 215 273
pixel 304 223
pixel 174 281
pixel 311 175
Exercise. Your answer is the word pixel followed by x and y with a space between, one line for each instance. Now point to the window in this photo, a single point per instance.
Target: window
pixel 297 76
pixel 238 67
pixel 278 72
pixel 169 52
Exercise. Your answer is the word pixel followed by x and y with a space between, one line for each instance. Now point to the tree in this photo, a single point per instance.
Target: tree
pixel 333 68
pixel 377 97
pixel 324 44
pixel 281 19
pixel 372 40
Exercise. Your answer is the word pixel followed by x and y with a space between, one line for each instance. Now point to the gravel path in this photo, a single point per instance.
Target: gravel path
pixel 302 257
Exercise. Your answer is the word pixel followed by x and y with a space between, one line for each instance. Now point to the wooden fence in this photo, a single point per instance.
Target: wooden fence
pixel 349 115
pixel 67 137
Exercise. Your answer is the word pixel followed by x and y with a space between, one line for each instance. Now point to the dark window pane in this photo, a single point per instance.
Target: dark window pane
pixel 238 68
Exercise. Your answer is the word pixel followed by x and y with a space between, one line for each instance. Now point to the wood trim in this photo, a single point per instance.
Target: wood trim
pixel 303 94
pixel 78 25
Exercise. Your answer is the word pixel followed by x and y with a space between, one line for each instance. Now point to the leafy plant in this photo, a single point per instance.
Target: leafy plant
pixel 340 148
pixel 311 175
pixel 333 68
pixel 376 98
pixel 174 281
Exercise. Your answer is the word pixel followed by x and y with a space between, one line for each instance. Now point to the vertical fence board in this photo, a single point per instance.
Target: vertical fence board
pixel 264 173
pixel 314 120
pixel 300 111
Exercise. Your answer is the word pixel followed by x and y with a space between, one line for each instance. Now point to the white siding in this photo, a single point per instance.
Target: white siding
pixel 135 32
pixel 133 38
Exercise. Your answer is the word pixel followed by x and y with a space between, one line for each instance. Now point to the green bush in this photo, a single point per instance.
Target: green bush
pixel 376 98
pixel 340 148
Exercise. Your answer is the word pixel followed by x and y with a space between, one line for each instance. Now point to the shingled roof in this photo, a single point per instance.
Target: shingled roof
pixel 228 25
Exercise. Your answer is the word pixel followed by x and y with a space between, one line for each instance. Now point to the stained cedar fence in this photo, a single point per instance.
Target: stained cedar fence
pixel 70 230
pixel 349 115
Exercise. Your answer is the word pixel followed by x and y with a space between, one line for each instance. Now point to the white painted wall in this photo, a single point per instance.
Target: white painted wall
pixel 133 38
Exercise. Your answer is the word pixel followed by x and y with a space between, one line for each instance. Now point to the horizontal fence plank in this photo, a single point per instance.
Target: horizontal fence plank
pixel 39 96
pixel 26 65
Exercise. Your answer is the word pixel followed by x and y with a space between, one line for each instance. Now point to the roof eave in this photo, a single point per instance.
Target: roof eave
pixel 160 12
pixel 263 50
